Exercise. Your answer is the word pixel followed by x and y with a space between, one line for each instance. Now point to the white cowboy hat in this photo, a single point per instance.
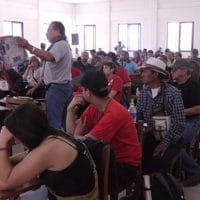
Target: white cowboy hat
pixel 155 64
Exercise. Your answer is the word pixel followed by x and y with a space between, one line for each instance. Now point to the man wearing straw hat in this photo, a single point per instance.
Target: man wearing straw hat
pixel 160 106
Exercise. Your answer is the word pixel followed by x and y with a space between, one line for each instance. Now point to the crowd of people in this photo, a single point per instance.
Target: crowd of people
pixel 170 90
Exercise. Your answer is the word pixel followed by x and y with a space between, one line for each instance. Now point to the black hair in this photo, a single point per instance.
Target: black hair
pixel 111 65
pixel 93 51
pixel 114 58
pixel 96 82
pixel 60 27
pixel 29 124
pixel 34 58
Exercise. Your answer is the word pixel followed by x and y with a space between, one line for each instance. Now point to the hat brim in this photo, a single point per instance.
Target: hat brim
pixel 154 68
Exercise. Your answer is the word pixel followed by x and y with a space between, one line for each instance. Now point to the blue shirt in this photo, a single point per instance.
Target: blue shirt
pixel 130 67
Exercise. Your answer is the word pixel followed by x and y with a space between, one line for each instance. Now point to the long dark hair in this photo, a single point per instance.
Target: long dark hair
pixel 29 124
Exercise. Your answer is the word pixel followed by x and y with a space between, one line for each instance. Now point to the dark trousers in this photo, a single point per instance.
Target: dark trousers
pixel 152 163
pixel 125 173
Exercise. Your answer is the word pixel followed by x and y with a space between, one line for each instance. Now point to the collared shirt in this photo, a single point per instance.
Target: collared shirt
pixel 170 99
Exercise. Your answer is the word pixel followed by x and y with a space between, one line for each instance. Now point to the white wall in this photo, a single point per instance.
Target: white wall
pixel 152 14
pixel 34 13
pixel 178 11
pixel 95 14
pixel 106 15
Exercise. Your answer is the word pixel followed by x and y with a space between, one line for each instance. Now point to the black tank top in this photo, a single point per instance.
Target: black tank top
pixel 77 179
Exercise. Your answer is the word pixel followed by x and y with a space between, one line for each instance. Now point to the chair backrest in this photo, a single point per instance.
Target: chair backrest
pixel 104 173
pixel 101 154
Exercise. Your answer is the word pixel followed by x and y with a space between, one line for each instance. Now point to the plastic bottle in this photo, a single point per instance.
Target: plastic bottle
pixel 132 110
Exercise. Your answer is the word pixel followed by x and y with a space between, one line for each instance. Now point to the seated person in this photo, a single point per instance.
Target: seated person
pixel 11 83
pixel 107 120
pixel 115 83
pixel 33 75
pixel 59 160
pixel 83 65
pixel 123 74
pixel 190 91
pixel 159 99
pixel 130 66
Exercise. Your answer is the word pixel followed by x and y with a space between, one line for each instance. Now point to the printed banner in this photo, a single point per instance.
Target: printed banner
pixel 10 52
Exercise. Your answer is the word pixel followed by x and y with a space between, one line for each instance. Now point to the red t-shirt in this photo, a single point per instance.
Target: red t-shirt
pixel 75 72
pixel 116 84
pixel 116 127
pixel 123 74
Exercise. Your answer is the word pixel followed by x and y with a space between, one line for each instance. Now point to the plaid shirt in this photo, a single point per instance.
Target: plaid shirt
pixel 170 99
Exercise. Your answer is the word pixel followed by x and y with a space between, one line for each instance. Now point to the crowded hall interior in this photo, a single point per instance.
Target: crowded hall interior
pixel 99 100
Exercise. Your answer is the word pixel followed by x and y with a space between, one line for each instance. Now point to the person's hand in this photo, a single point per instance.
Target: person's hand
pixel 80 127
pixel 77 99
pixel 160 149
pixel 30 92
pixel 5 136
pixel 23 42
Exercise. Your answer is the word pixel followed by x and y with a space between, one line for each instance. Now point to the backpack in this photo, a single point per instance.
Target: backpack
pixel 164 186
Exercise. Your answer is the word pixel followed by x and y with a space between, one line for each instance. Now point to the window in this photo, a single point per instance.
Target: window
pixel 87 37
pixel 13 28
pixel 180 36
pixel 129 35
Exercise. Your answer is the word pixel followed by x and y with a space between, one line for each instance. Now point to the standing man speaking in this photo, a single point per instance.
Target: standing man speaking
pixel 57 71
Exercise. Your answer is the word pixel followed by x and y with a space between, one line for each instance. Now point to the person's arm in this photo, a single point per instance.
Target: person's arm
pixel 44 55
pixel 30 167
pixel 18 157
pixel 71 115
pixel 195 110
pixel 24 76
pixel 112 93
pixel 40 82
pixel 176 112
pixel 116 87
pixel 128 84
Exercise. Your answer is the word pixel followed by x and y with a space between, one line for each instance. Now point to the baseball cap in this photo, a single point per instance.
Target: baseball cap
pixel 182 64
pixel 96 82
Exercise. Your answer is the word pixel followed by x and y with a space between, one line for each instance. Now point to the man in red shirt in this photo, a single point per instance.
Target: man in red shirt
pixel 106 119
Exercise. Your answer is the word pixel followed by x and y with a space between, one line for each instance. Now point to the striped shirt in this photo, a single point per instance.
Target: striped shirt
pixel 170 99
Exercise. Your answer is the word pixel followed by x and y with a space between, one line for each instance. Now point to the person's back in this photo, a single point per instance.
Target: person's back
pixel 115 127
pixel 71 175
pixel 53 155
pixel 106 119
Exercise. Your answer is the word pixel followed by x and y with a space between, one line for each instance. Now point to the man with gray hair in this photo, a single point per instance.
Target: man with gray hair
pixel 190 91
pixel 57 72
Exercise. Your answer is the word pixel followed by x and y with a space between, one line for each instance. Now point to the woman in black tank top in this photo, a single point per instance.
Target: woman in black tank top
pixel 62 163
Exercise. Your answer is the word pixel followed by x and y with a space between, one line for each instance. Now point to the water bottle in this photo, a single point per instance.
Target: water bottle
pixel 132 110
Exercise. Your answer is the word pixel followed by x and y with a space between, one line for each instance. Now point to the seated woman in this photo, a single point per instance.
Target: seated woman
pixel 11 83
pixel 33 75
pixel 61 162
pixel 115 83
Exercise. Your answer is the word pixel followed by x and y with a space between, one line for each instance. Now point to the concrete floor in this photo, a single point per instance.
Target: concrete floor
pixel 192 193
